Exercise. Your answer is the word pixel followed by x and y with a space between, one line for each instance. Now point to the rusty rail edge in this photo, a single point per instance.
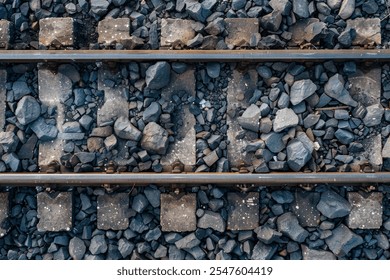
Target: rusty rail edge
pixel 57 56
pixel 140 179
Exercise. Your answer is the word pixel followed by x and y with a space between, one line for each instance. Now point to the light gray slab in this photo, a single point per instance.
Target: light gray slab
pixel 366 212
pixel 4 205
pixel 112 211
pixel 3 95
pixel 243 211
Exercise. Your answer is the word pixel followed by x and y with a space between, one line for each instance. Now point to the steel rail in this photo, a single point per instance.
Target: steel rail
pixel 139 179
pixel 58 56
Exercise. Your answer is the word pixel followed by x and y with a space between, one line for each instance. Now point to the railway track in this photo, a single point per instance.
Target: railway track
pixel 185 124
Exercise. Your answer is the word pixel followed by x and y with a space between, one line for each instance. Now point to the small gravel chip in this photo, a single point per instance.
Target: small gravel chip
pixel 288 224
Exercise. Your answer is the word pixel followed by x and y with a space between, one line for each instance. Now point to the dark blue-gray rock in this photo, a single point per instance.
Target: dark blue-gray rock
pixel 99 7
pixel 301 90
pixel 238 4
pixel 125 130
pixel 12 161
pixel 196 41
pixel 334 4
pixel 298 154
pixel 153 234
pixel 85 157
pixel 383 241
pixel 250 118
pixel 343 240
pixel 335 88
pixel 98 245
pixel 370 7
pixel 86 121
pixel 152 113
pixel 264 72
pixel 301 8
pixel 153 196
pixel 285 118
pixel 349 68
pixel 143 247
pixel 346 37
pixel 20 89
pixel 215 27
pixel 28 110
pixel 8 141
pixel 158 75
pixel 288 225
pixel 283 6
pixel 311 254
pixel 197 11
pixel 374 115
pixel 347 8
pixel 179 67
pixel 79 97
pixel 187 242
pixel 62 240
pixel 273 141
pixel 77 248
pixel 267 235
pixel 344 136
pixel 213 69
pixel 282 197
pixel 139 203
pixel 125 247
pixel 212 220
pixel 155 139
pixel 332 205
pixel 71 127
pixel 263 252
pixel 271 21
pixel 43 130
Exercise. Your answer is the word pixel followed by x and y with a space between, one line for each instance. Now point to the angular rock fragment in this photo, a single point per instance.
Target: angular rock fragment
pixel 250 118
pixel 335 88
pixel 125 130
pixel 155 139
pixel 263 252
pixel 343 240
pixel 347 9
pixel 366 212
pixel 367 31
pixel 311 254
pixel 44 131
pixel 298 155
pixel 374 115
pixel 332 205
pixel 301 90
pixel 212 220
pixel 158 75
pixel 8 141
pixel 288 224
pixel 285 118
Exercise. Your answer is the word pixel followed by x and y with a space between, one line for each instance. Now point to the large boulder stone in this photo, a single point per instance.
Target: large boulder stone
pixel 155 139
pixel 335 88
pixel 158 75
pixel 285 118
pixel 125 130
pixel 301 90
pixel 298 154
pixel 28 110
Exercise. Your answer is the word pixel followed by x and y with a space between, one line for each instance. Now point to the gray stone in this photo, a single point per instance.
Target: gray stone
pixel 12 161
pixel 8 141
pixel 152 113
pixel 298 154
pixel 273 141
pixel 267 235
pixel 139 203
pixel 125 130
pixel 86 122
pixel 288 224
pixel 153 234
pixel 211 158
pixel 161 252
pixel 73 74
pixel 213 69
pixel 44 131
pixel 110 142
pixel 263 252
pixel 314 32
pixel 282 197
pixel 264 72
pixel 334 4
pixel 85 157
pixel 215 27
pixel 301 90
pixel 71 127
pixel 332 205
pixel 77 248
pixel 383 241
pixel 250 118
pixel 125 247
pixel 335 88
pixel 283 6
pixel 98 245
pixel 28 110
pixel 344 136
pixel 301 8
pixel 153 196
pixel 374 115
pixel 386 149
pixel 366 212
pixel 347 9
pixel 155 139
pixel 343 240
pixel 158 75
pixel 20 89
pixel 311 254
pixel 99 7
pixel 212 220
pixel 271 21
pixel 188 242
pixel 285 118
pixel 197 11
